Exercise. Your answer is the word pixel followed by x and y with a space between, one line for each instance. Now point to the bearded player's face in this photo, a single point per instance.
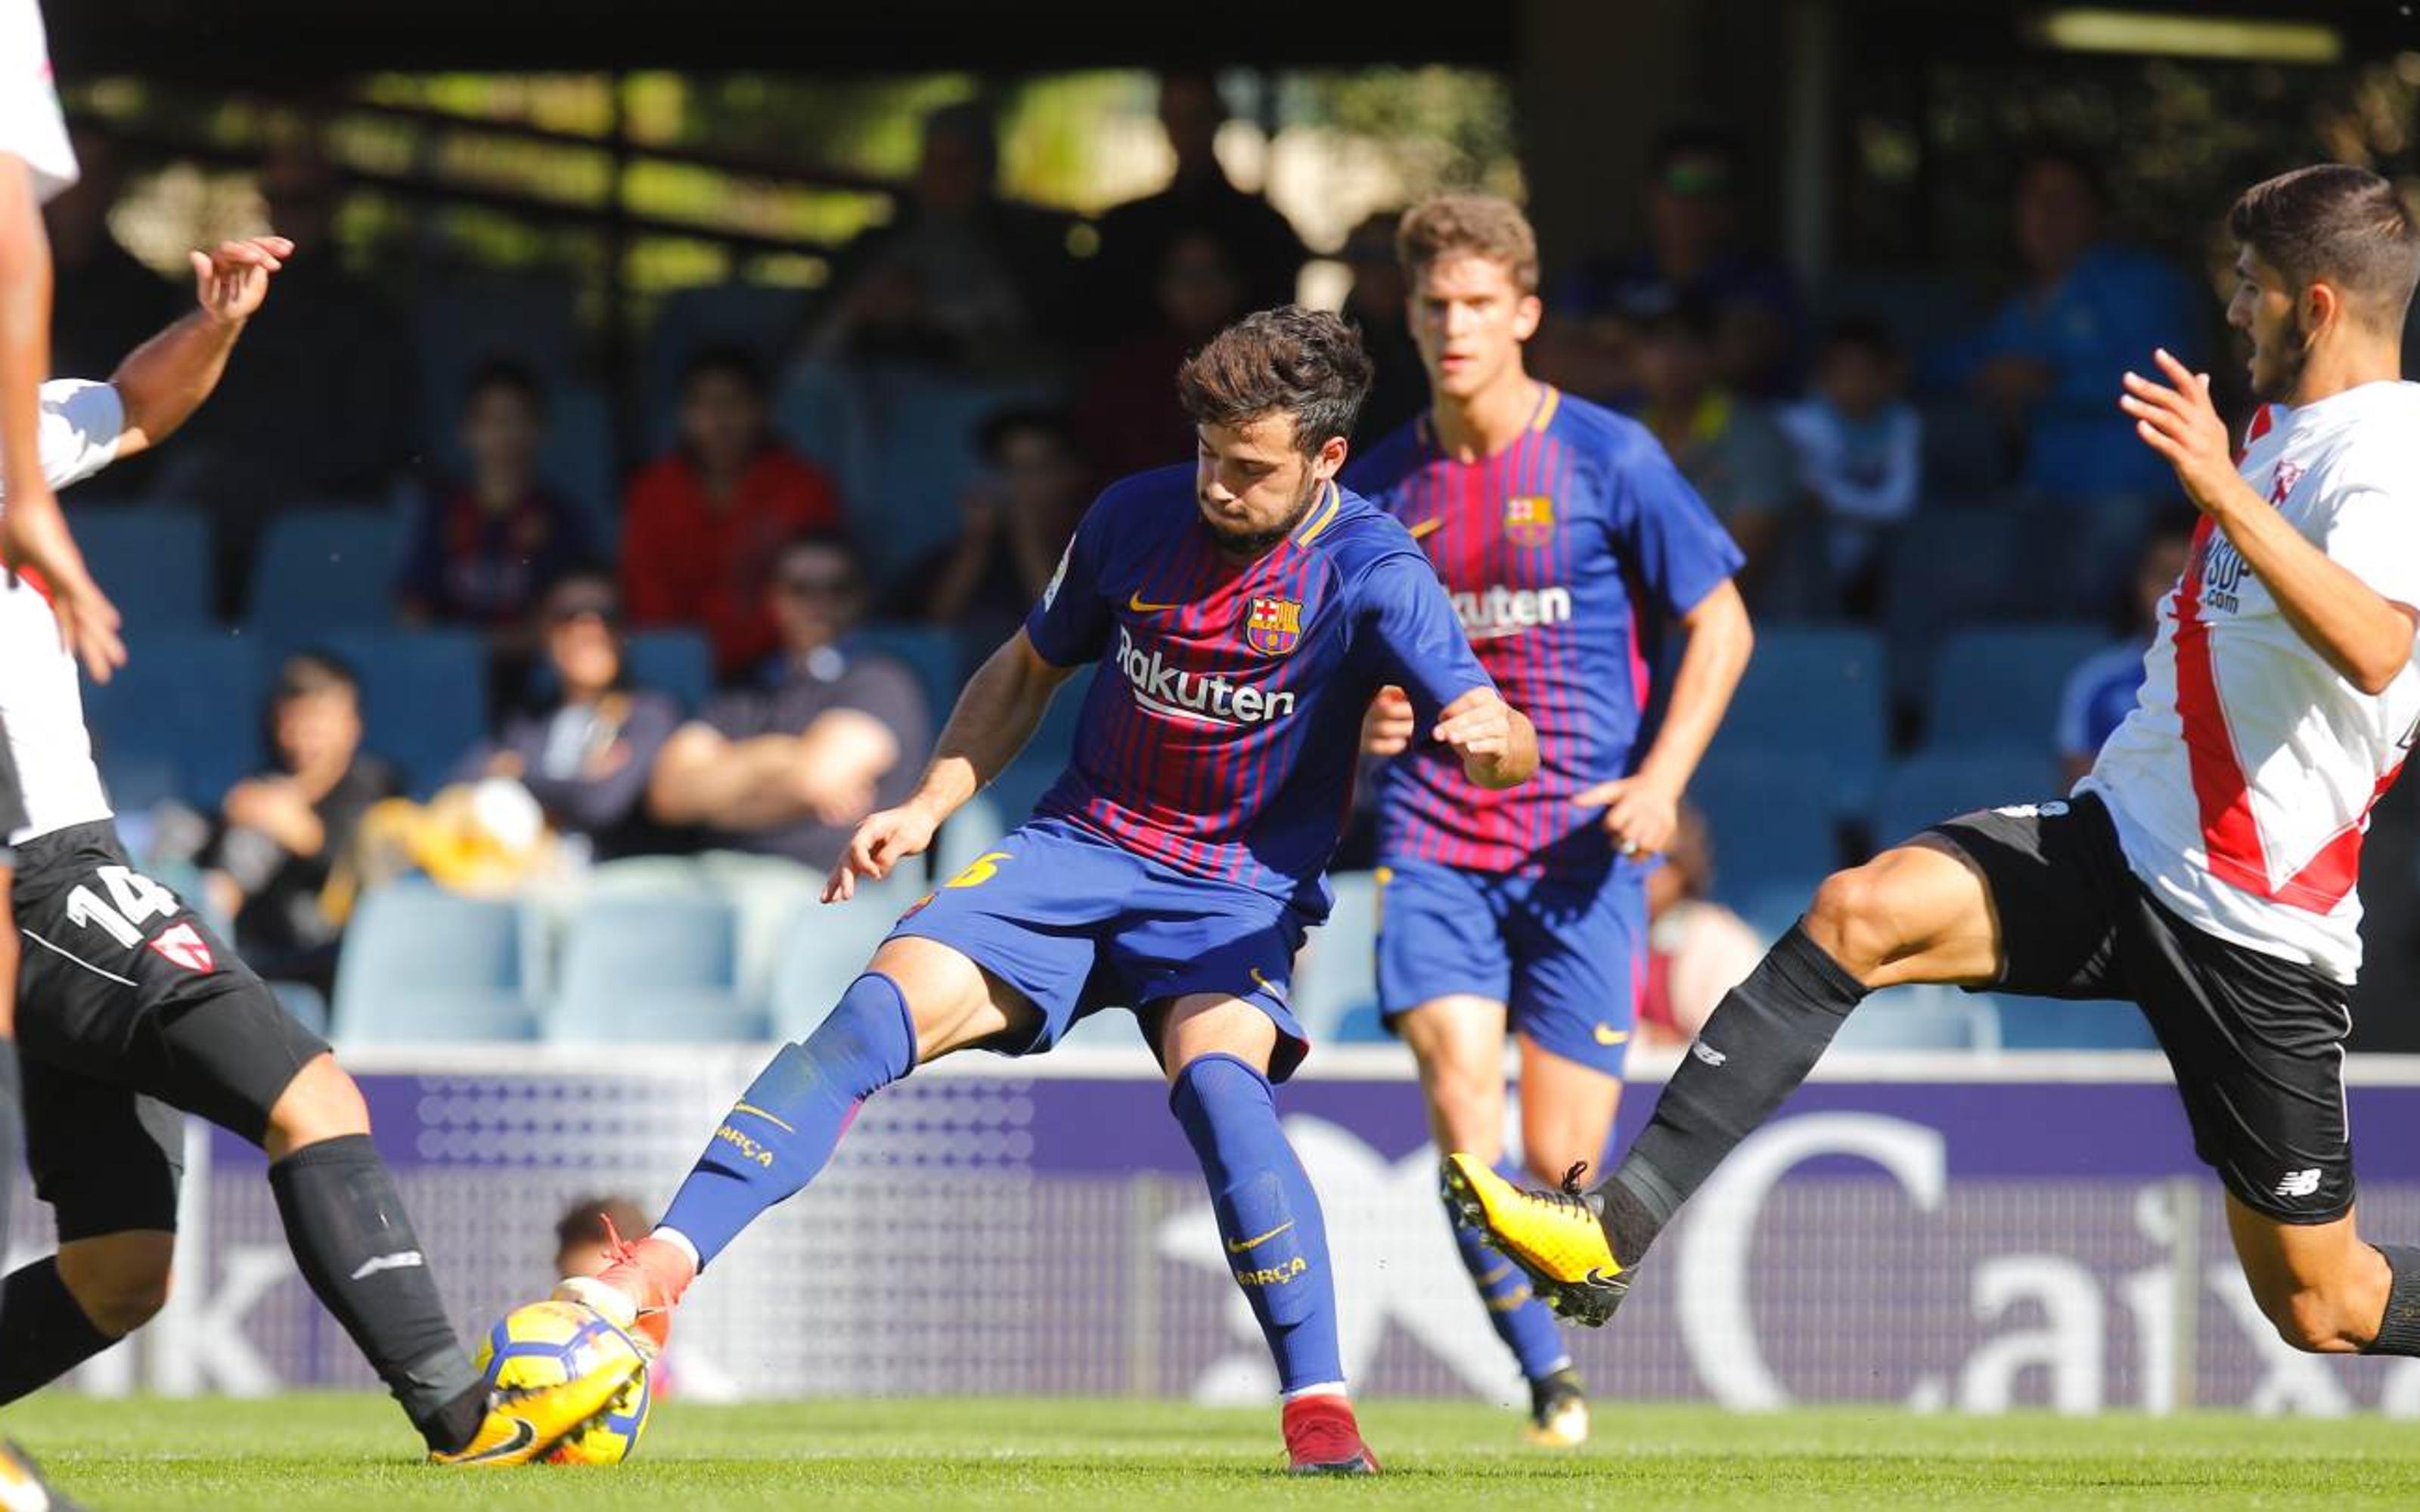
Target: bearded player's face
pixel 2265 309
pixel 1254 484
pixel 1470 318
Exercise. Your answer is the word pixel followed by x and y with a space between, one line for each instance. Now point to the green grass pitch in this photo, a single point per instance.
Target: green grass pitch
pixel 299 1452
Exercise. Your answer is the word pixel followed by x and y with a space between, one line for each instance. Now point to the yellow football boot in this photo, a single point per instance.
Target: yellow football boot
pixel 521 1425
pixel 1554 1236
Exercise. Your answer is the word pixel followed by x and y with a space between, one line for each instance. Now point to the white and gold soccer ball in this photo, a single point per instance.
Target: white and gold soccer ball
pixel 548 1343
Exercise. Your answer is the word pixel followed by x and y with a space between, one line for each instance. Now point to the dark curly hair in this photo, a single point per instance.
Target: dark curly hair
pixel 1305 363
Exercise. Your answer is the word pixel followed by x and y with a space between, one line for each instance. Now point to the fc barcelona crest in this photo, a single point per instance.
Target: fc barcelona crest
pixel 1529 521
pixel 1272 625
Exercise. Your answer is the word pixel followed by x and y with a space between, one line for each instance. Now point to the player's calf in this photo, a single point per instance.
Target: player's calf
pixel 63 1309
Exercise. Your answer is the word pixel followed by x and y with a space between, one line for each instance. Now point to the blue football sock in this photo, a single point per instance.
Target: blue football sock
pixel 1277 1242
pixel 785 1126
pixel 1524 1324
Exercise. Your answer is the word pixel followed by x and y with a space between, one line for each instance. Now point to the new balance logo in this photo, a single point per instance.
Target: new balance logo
pixel 2031 811
pixel 2299 1183
pixel 1707 1053
pixel 401 1261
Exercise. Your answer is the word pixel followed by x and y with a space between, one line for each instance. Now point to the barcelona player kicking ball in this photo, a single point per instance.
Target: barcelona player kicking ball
pixel 1241 611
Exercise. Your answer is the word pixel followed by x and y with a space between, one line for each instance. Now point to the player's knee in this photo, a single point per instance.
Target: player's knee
pixel 120 1282
pixel 321 1103
pixel 1850 918
pixel 2315 1319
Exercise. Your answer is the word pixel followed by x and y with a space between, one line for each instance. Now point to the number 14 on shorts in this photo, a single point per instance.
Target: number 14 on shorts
pixel 134 899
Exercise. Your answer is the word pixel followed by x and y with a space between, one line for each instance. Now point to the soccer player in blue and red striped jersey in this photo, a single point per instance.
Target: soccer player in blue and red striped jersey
pixel 1241 612
pixel 1568 543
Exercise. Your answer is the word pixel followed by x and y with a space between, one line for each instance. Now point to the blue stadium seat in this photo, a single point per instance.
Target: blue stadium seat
pixel 1361 1024
pixel 819 409
pixel 579 459
pixel 931 654
pixel 652 969
pixel 760 319
pixel 1919 1018
pixel 679 662
pixel 1997 688
pixel 324 570
pixel 154 562
pixel 1950 568
pixel 1338 970
pixel 423 697
pixel 465 321
pixel 1931 786
pixel 1819 694
pixel 826 951
pixel 421 965
pixel 1021 786
pixel 2052 1024
pixel 1775 839
pixel 920 457
pixel 189 706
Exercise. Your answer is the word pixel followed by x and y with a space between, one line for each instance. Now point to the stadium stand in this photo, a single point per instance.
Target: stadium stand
pixel 421 965
pixel 634 964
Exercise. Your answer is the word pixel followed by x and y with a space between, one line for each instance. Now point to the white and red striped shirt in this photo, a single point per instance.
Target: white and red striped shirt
pixel 2242 783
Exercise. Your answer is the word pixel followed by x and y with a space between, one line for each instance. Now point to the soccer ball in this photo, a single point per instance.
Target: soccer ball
pixel 548 1343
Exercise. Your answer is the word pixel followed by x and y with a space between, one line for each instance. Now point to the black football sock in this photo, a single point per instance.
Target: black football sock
pixel 43 1333
pixel 350 1235
pixel 12 1128
pixel 1758 1044
pixel 2398 1331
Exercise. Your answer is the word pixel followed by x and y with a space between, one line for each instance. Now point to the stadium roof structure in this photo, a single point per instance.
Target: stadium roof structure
pixel 264 41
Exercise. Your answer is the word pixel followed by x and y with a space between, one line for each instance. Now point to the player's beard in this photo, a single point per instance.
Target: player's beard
pixel 2288 375
pixel 1252 543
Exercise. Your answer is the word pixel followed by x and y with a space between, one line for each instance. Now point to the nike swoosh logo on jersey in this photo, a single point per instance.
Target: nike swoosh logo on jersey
pixel 1137 604
pixel 1237 1246
pixel 1607 1035
pixel 1427 528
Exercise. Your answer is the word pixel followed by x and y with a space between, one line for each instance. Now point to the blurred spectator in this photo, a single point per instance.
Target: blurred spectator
pixel 1695 252
pixel 1697 949
pixel 1727 449
pixel 700 527
pixel 320 408
pixel 583 749
pixel 960 277
pixel 1014 520
pixel 103 303
pixel 1130 419
pixel 2049 363
pixel 786 768
pixel 1259 245
pixel 1377 303
pixel 586 1234
pixel 286 835
pixel 483 550
pixel 1860 453
pixel 2100 691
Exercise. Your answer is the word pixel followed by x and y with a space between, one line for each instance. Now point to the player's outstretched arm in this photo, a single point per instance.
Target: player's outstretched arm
pixel 1642 811
pixel 165 379
pixel 996 715
pixel 1497 744
pixel 2366 637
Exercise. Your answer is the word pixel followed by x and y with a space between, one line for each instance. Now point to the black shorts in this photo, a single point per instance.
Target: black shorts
pixel 130 1008
pixel 2257 1042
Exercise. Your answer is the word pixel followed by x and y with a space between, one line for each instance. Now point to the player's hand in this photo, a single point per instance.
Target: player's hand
pixel 34 534
pixel 2183 425
pixel 1388 728
pixel 230 282
pixel 1641 815
pixel 881 842
pixel 1478 724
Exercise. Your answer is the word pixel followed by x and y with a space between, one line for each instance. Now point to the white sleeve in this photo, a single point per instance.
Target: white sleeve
pixel 31 127
pixel 2375 531
pixel 81 423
